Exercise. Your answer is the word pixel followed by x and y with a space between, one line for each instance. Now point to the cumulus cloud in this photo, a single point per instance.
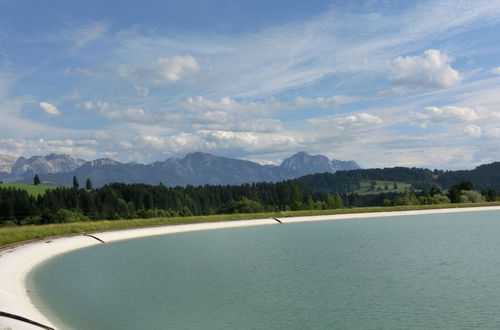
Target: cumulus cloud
pixel 446 114
pixel 214 140
pixel 363 118
pixel 99 105
pixel 49 109
pixel 486 132
pixel 496 70
pixel 430 71
pixel 163 70
pixel 359 120
pixel 202 113
pixel 114 112
pixel 172 69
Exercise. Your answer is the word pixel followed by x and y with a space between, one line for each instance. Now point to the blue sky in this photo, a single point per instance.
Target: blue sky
pixel 384 83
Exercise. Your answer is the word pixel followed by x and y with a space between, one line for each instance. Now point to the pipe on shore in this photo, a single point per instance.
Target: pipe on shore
pixel 23 319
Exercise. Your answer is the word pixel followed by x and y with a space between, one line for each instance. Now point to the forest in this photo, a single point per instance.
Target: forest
pixel 483 177
pixel 127 201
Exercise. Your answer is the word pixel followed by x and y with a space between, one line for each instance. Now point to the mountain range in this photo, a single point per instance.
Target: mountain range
pixel 194 169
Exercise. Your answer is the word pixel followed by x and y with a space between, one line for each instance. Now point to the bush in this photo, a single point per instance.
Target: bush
pixel 471 196
pixel 36 220
pixel 244 205
pixel 63 215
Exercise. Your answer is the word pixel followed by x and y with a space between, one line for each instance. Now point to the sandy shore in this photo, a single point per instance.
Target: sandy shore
pixel 17 262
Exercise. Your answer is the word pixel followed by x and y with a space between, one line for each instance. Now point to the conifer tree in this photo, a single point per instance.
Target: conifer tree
pixel 88 185
pixel 36 180
pixel 76 185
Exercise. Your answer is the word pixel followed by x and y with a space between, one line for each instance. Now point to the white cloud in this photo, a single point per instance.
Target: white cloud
pixel 172 69
pixel 163 70
pixel 446 114
pixel 265 106
pixel 493 132
pixel 320 102
pixel 496 70
pixel 49 108
pixel 31 147
pixel 486 132
pixel 201 113
pixel 350 122
pixel 227 104
pixel 431 70
pixel 113 112
pixel 451 112
pixel 99 105
pixel 364 118
pixel 473 130
pixel 218 141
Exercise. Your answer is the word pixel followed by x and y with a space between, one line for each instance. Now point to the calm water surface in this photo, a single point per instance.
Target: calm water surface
pixel 413 272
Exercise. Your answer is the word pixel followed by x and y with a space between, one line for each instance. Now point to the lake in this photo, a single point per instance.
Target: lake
pixel 411 272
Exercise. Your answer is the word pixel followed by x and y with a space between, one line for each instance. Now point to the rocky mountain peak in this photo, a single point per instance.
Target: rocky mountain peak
pixel 52 163
pixel 102 162
pixel 303 163
pixel 199 160
pixel 6 163
pixel 302 160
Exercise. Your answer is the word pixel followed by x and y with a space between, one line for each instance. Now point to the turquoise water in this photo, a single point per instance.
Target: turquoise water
pixel 413 272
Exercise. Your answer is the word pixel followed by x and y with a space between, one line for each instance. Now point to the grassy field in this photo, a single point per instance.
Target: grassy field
pixel 381 186
pixel 15 234
pixel 30 188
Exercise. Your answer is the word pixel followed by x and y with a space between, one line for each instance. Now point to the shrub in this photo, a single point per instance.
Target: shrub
pixel 471 196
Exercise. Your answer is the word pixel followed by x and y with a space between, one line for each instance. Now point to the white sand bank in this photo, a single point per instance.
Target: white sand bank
pixel 15 263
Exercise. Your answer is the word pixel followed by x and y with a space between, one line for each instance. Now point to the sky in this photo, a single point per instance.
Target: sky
pixel 384 83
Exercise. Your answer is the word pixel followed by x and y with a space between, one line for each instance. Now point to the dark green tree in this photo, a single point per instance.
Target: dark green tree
pixel 490 195
pixel 88 185
pixel 455 190
pixel 434 190
pixel 76 185
pixel 36 180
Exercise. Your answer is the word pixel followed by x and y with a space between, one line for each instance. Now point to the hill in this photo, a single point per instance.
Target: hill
pixel 482 177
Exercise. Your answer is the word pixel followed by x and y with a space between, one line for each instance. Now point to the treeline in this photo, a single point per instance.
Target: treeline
pixel 344 182
pixel 124 201
pixel 483 177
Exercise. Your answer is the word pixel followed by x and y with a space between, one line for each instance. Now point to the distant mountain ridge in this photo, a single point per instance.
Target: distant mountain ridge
pixel 196 168
pixel 52 163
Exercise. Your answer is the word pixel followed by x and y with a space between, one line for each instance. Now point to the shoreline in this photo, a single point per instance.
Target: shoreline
pixel 18 261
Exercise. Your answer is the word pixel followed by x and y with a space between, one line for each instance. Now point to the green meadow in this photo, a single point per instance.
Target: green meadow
pixel 380 186
pixel 30 188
